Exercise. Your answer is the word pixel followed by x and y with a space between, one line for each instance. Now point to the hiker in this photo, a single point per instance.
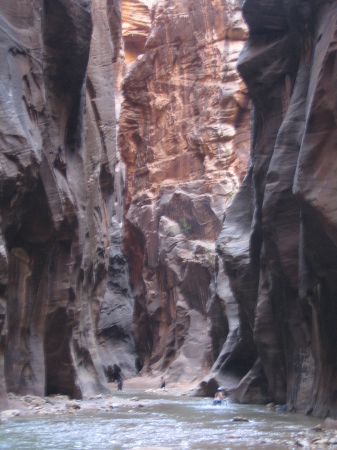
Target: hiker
pixel 120 383
pixel 220 396
pixel 163 383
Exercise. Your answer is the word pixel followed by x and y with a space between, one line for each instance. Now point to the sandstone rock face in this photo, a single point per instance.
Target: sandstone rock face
pixel 57 156
pixel 136 20
pixel 115 339
pixel 114 333
pixel 184 139
pixel 278 241
pixel 136 23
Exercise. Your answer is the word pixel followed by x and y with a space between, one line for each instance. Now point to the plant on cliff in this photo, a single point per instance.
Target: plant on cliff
pixel 185 227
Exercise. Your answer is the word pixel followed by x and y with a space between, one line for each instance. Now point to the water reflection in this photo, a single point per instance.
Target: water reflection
pixel 178 423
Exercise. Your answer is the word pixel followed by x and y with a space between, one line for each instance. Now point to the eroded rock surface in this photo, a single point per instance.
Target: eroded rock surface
pixel 278 241
pixel 136 21
pixel 184 136
pixel 57 141
pixel 115 339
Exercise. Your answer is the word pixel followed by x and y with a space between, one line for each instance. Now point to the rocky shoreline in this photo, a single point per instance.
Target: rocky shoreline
pixel 32 405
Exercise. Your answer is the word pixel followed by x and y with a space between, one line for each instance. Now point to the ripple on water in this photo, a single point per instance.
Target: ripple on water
pixel 186 423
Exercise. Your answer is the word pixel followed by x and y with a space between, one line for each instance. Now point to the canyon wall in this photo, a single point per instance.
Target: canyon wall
pixel 57 158
pixel 265 326
pixel 114 332
pixel 184 137
pixel 279 239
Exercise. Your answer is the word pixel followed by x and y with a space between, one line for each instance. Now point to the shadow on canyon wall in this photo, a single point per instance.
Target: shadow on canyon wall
pixel 57 162
pixel 230 285
pixel 278 242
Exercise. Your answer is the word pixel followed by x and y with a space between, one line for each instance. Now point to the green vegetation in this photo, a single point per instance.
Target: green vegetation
pixel 185 226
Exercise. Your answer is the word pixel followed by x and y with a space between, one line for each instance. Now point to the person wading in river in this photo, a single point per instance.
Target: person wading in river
pixel 220 396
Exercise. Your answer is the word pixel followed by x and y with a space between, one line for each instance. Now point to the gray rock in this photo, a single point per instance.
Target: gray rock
pixel 278 242
pixel 240 419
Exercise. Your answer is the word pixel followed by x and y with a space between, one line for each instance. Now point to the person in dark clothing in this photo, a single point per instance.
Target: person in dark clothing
pixel 163 383
pixel 113 373
pixel 119 383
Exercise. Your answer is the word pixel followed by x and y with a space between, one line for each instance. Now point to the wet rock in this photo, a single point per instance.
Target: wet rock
pixel 302 443
pixel 59 397
pixel 33 400
pixel 73 405
pixel 330 424
pixel 280 408
pixel 10 413
pixel 240 419
pixel 319 443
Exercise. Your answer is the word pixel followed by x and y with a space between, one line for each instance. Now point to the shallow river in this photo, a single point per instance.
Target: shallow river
pixel 174 422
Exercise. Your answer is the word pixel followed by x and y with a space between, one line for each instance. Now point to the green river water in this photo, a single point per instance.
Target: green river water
pixel 173 422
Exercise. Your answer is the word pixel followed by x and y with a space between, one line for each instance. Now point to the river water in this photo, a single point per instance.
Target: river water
pixel 174 422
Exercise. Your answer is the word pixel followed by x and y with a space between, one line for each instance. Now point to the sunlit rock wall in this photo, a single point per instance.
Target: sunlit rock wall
pixel 136 15
pixel 279 238
pixel 57 156
pixel 184 137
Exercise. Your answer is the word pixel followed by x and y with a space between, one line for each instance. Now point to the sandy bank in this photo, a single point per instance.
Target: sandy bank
pixel 145 383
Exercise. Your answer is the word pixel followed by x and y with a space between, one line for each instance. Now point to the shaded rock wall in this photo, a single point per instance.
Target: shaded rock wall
pixel 184 139
pixel 57 156
pixel 278 241
pixel 114 332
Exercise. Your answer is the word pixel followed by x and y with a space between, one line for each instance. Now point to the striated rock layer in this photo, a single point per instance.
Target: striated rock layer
pixel 57 156
pixel 184 139
pixel 279 239
pixel 114 332
pixel 136 23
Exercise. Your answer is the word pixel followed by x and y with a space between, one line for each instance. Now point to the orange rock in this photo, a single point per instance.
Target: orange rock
pixel 184 139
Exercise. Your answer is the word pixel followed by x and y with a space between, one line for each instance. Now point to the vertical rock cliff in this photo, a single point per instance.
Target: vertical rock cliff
pixel 278 241
pixel 58 144
pixel 184 139
pixel 114 333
